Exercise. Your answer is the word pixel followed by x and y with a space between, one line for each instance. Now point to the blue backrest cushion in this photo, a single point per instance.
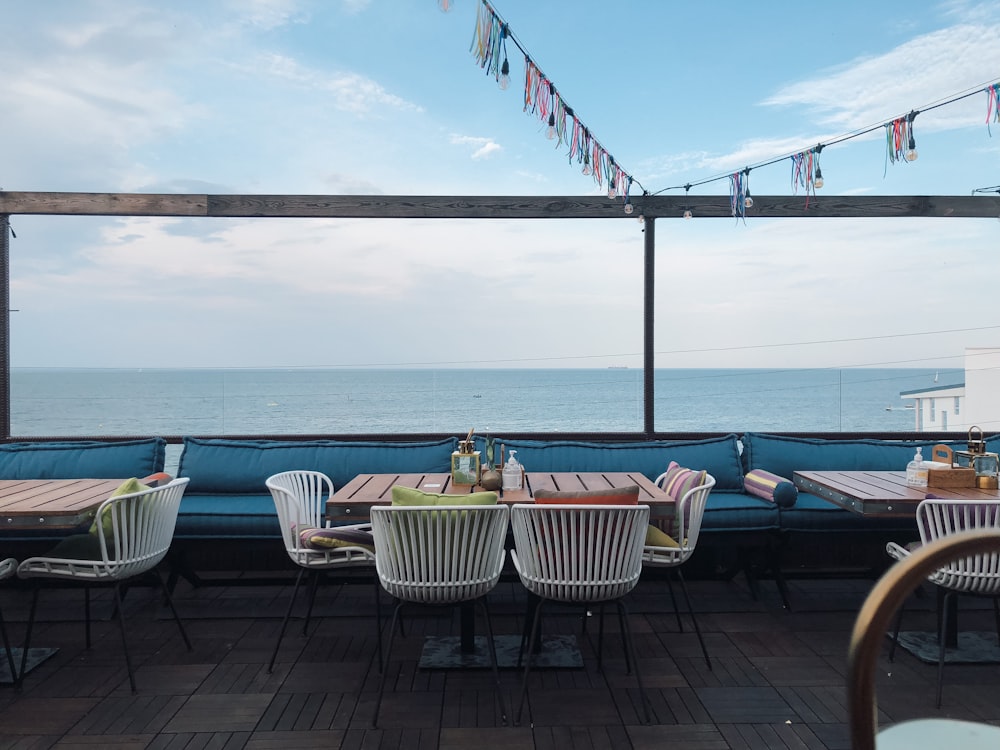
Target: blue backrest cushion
pixel 80 459
pixel 785 455
pixel 241 466
pixel 719 456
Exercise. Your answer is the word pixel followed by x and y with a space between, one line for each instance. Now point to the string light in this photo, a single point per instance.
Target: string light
pixel 687 211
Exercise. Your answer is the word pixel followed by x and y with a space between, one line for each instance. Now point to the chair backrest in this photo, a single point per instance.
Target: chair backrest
pixel 939 518
pixel 579 553
pixel 690 512
pixel 141 526
pixel 439 554
pixel 300 501
pixel 884 599
pixel 8 568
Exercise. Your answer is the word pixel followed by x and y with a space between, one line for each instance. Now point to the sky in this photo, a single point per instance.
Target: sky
pixel 365 97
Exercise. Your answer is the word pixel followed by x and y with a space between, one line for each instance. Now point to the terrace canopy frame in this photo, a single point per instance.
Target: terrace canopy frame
pixel 461 207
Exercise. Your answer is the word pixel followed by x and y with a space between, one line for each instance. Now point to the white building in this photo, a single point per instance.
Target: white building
pixel 959 406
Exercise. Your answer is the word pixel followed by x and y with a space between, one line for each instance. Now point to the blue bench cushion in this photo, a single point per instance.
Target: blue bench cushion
pixel 720 457
pixel 79 459
pixel 233 516
pixel 220 465
pixel 786 455
pixel 729 511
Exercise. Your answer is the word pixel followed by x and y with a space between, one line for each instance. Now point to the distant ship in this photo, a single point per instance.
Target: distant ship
pixel 617 367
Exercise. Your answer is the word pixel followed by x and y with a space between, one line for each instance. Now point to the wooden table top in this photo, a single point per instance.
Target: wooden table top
pixel 353 501
pixel 51 503
pixel 884 494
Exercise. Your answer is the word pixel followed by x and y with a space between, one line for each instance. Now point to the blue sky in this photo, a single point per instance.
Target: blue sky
pixel 384 97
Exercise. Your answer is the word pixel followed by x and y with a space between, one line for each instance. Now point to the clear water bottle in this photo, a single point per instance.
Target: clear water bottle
pixel 513 477
pixel 916 472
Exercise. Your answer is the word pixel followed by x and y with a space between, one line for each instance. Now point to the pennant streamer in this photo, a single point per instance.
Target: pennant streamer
pixel 739 192
pixel 992 105
pixel 542 100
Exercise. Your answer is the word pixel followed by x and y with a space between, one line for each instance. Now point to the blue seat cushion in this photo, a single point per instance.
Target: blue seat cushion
pixel 220 465
pixel 728 510
pixel 82 459
pixel 812 513
pixel 244 516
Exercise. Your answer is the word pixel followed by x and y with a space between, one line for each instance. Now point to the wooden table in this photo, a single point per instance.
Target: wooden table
pixel 62 504
pixel 878 494
pixel 354 500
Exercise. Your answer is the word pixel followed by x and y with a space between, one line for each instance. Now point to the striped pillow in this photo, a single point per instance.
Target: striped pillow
pixel 777 490
pixel 678 481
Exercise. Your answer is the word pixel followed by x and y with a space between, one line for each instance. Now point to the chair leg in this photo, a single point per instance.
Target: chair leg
pixel 378 620
pixel 941 645
pixel 492 648
pixel 313 584
pixel 121 626
pixel 895 632
pixel 673 600
pixel 27 639
pixel 527 663
pixel 10 654
pixel 173 609
pixel 622 626
pixel 284 623
pixel 86 614
pixel 600 637
pixel 996 617
pixel 388 657
pixel 694 618
pixel 630 649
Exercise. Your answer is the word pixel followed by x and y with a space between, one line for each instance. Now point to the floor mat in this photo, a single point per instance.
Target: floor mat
pixel 974 647
pixel 444 652
pixel 35 657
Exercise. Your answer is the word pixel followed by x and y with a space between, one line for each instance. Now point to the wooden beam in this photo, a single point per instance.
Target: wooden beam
pixel 490 207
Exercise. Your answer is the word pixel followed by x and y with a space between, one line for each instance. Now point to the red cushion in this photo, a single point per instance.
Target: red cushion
pixel 611 496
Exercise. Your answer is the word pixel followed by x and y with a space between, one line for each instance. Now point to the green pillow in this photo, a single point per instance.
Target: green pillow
pixel 411 496
pixel 125 488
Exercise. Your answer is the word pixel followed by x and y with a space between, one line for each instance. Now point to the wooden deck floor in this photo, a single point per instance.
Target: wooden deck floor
pixel 777 679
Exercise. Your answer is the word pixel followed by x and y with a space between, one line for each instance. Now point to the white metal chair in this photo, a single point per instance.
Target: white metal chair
pixel 869 629
pixel 440 555
pixel 134 532
pixel 687 528
pixel 8 568
pixel 300 499
pixel 580 554
pixel 977 575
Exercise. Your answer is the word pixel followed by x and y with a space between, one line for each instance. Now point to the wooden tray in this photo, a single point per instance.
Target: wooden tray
pixel 961 477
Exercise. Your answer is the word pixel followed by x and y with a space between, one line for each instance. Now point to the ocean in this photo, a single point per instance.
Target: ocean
pixel 109 402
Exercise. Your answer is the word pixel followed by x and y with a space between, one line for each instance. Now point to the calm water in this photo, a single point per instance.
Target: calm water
pixel 216 402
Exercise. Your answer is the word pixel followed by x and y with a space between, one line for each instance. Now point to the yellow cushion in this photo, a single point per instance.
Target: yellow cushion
pixel 411 496
pixel 127 487
pixel 656 537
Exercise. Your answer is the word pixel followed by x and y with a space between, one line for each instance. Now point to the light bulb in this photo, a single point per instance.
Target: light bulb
pixel 911 154
pixel 628 208
pixel 748 201
pixel 551 132
pixel 612 193
pixel 504 79
pixel 642 219
pixel 687 213
pixel 818 179
pixel 586 166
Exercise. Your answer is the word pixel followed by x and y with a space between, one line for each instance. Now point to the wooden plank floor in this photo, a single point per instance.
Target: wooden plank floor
pixel 777 679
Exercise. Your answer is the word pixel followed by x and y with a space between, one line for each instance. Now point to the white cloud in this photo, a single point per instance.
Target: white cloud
pixel 920 72
pixel 482 147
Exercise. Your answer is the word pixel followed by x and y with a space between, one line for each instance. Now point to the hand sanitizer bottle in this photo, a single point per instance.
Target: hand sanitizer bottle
pixel 512 475
pixel 916 474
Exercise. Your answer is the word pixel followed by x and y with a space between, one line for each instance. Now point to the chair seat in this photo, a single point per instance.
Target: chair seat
pixel 935 734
